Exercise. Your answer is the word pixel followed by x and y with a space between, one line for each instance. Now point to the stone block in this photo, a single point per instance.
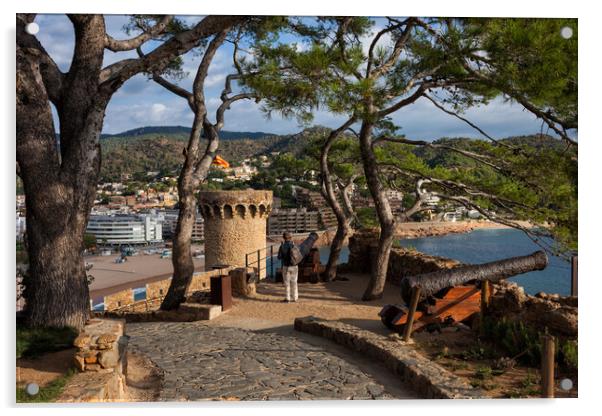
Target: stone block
pixel 201 312
pixel 107 338
pixel 241 286
pixel 79 362
pixel 91 359
pixel 83 340
pixel 109 358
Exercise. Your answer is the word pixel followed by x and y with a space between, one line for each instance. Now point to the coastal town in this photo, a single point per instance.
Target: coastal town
pixel 132 222
pixel 348 257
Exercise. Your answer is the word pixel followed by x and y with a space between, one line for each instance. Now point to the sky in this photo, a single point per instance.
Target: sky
pixel 141 102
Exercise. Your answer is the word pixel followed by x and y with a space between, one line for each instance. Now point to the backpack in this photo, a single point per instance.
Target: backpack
pixel 295 256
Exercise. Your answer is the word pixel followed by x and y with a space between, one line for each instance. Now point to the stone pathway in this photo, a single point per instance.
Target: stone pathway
pixel 202 362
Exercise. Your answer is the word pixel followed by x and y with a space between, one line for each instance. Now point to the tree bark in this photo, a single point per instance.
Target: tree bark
pixel 328 191
pixel 385 216
pixel 183 264
pixel 431 283
pixel 336 246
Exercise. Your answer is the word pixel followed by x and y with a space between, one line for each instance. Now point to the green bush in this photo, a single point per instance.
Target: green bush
pixel 32 342
pixel 524 342
pixel 567 352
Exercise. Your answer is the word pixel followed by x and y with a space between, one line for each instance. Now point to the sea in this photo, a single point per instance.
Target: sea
pixel 485 245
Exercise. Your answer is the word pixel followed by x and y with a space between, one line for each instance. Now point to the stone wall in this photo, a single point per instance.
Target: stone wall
pixel 102 345
pixel 202 280
pixel 402 262
pixel 101 358
pixel 156 289
pixel 559 314
pixel 124 299
pixel 118 299
pixel 235 224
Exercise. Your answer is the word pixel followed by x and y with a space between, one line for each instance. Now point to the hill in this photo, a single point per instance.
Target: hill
pixel 146 149
pixel 181 131
pixel 159 148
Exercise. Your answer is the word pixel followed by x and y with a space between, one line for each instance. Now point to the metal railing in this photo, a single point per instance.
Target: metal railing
pixel 264 264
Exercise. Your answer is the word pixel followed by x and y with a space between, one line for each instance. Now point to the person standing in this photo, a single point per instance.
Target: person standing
pixel 290 271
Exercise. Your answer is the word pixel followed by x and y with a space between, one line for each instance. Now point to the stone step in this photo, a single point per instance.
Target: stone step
pixel 200 311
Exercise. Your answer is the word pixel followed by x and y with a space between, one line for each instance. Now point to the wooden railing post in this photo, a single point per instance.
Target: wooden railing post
pixel 485 295
pixel 574 276
pixel 407 332
pixel 547 367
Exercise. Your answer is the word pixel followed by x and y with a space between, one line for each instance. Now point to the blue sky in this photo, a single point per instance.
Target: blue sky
pixel 143 103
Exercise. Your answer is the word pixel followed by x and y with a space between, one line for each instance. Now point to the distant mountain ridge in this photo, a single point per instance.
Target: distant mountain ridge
pixel 160 149
pixel 182 130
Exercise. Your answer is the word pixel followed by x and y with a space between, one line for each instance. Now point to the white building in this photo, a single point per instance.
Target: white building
pixel 126 229
pixel 171 219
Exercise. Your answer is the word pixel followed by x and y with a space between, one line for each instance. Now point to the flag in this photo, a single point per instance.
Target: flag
pixel 220 162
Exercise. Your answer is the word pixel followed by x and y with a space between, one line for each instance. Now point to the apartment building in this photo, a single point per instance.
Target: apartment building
pixel 293 220
pixel 170 220
pixel 314 201
pixel 126 229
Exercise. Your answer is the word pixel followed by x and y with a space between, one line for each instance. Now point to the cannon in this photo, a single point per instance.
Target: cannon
pixel 453 295
pixel 310 267
pixel 434 282
pixel 307 244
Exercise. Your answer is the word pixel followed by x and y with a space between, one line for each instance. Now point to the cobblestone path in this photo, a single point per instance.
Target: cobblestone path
pixel 202 362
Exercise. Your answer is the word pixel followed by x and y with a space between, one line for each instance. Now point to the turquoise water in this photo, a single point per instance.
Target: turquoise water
pixel 484 245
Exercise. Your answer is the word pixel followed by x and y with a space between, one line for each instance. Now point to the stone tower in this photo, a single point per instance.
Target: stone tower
pixel 235 224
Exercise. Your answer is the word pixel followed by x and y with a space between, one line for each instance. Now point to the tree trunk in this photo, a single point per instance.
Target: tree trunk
pixel 431 283
pixel 182 240
pixel 385 216
pixel 328 191
pixel 56 287
pixel 183 266
pixel 336 246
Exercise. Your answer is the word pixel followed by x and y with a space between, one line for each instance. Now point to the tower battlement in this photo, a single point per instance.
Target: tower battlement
pixel 235 224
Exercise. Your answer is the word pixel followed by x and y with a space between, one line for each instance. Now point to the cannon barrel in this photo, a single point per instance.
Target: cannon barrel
pixel 307 244
pixel 431 283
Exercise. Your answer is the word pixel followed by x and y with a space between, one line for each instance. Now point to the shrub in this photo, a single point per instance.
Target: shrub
pixel 524 343
pixel 32 342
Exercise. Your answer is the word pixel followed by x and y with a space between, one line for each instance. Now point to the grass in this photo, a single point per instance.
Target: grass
pixel 33 342
pixel 48 393
pixel 479 351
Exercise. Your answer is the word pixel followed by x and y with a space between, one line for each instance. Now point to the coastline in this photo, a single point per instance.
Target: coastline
pixel 407 230
pixel 435 228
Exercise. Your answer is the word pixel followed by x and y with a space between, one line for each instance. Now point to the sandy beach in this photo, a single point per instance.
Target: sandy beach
pixel 110 277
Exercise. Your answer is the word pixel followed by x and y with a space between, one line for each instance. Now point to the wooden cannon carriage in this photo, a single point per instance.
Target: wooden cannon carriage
pixel 455 295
